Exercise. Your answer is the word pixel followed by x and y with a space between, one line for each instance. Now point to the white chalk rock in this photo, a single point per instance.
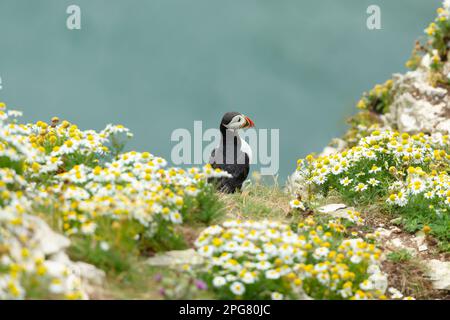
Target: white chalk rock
pixel 336 145
pixel 398 244
pixel 87 272
pixel 384 233
pixel 417 106
pixel 330 208
pixel 48 241
pixel 176 258
pixel 297 186
pixel 439 274
pixel 54 245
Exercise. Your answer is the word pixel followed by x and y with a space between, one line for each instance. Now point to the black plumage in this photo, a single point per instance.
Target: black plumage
pixel 232 154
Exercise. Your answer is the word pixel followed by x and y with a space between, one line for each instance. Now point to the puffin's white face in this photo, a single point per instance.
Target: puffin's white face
pixel 239 122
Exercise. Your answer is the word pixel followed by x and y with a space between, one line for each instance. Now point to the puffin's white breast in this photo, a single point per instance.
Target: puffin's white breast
pixel 246 149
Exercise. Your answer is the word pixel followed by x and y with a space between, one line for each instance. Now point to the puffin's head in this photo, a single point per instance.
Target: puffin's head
pixel 236 120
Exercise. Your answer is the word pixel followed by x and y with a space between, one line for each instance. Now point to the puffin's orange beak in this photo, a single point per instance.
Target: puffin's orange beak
pixel 249 123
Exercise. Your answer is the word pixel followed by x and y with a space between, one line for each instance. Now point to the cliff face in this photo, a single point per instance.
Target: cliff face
pixel 417 101
pixel 420 98
pixel 417 105
pixel 394 161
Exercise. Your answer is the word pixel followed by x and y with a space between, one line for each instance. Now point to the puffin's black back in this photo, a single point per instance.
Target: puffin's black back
pixel 239 171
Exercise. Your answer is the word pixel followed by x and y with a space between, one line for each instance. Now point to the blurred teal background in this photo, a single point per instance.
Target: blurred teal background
pixel 158 65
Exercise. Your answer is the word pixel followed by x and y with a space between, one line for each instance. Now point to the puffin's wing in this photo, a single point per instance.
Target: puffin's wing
pixel 239 171
pixel 247 165
pixel 245 168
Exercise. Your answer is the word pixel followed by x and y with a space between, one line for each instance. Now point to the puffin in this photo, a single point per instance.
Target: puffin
pixel 233 154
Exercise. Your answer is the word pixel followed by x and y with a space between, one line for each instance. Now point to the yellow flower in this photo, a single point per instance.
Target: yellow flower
pixel 41 270
pixel 361 104
pixel 309 158
pixel 35 167
pixel 431 30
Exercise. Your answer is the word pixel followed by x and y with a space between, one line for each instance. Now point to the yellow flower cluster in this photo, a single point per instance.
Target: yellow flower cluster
pixel 135 187
pixel 61 146
pixel 443 14
pixel 378 99
pixel 76 179
pixel 24 261
pixel 267 259
pixel 436 48
pixel 407 171
pixel 385 161
pixel 432 188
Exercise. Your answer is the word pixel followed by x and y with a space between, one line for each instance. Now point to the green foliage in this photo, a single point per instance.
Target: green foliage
pixel 77 158
pixel 399 256
pixel 165 238
pixel 6 162
pixel 112 260
pixel 181 285
pixel 205 208
pixel 113 248
pixel 417 215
